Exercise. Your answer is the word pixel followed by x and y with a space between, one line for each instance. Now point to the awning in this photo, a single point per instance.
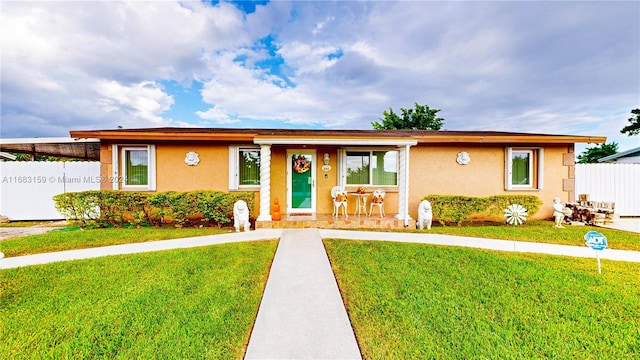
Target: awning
pixel 83 149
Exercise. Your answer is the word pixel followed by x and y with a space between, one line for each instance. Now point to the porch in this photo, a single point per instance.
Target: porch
pixel 326 221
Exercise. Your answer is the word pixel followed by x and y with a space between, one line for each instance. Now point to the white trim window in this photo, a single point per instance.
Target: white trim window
pixel 524 168
pixel 134 167
pixel 377 167
pixel 244 167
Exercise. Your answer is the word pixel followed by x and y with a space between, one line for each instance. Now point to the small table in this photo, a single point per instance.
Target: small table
pixel 361 203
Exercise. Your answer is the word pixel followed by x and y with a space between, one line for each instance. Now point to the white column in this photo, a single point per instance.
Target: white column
pixel 403 186
pixel 265 183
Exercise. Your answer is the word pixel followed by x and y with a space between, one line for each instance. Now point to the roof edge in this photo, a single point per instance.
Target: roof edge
pixel 619 155
pixel 289 135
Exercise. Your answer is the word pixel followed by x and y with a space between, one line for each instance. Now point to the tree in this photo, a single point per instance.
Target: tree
pixel 420 118
pixel 592 154
pixel 633 128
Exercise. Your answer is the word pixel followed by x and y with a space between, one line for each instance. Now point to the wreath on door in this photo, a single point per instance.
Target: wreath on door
pixel 301 164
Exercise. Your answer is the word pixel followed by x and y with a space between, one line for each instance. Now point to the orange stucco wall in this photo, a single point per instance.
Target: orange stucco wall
pixel 434 170
pixel 173 174
pixel 212 173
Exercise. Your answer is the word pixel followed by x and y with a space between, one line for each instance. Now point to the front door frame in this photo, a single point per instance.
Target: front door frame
pixel 313 153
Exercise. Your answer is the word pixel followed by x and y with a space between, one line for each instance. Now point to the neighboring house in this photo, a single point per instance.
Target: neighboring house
pixel 631 156
pixel 299 167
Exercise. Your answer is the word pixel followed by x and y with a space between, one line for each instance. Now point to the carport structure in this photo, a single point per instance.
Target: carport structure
pixel 64 147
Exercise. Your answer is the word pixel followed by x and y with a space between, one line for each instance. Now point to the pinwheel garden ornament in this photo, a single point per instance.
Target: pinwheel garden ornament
pixel 515 214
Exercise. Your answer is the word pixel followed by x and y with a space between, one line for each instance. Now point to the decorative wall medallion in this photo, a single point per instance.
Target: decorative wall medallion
pixel 463 158
pixel 192 158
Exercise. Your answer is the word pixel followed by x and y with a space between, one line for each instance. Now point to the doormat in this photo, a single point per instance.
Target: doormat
pixel 299 214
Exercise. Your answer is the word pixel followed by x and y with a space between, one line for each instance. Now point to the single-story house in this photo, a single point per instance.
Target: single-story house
pixel 300 167
pixel 631 156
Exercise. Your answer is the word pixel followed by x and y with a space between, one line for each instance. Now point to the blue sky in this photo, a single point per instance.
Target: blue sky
pixel 540 67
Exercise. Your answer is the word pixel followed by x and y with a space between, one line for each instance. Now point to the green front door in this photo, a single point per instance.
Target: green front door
pixel 301 182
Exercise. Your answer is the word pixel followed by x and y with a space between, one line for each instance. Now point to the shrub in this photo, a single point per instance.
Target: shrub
pixel 182 207
pixel 82 208
pixel 123 208
pixel 456 209
pixel 496 204
pixel 119 208
pixel 209 203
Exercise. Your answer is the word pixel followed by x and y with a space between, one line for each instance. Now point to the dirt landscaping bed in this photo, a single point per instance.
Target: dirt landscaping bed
pixel 8 232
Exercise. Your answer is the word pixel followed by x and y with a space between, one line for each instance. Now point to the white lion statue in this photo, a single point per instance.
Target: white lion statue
pixel 241 216
pixel 425 214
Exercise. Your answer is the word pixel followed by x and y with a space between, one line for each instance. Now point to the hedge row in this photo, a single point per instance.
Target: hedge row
pixel 119 208
pixel 456 209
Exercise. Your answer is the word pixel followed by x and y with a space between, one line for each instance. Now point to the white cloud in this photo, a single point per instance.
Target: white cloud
pixel 97 64
pixel 144 100
pixel 308 57
pixel 556 67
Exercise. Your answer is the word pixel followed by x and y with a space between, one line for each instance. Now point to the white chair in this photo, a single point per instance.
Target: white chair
pixel 339 196
pixel 377 200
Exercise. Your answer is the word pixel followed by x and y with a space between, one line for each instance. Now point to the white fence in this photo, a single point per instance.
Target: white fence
pixel 27 188
pixel 611 182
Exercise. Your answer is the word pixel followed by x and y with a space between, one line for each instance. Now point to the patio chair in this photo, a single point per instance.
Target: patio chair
pixel 339 196
pixel 377 200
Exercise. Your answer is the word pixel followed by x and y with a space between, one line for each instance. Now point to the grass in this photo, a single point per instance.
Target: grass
pixel 414 301
pixel 541 231
pixel 187 303
pixel 15 224
pixel 79 239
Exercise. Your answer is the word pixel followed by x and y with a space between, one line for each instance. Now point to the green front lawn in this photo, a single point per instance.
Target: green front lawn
pixel 416 301
pixel 80 239
pixel 541 231
pixel 178 304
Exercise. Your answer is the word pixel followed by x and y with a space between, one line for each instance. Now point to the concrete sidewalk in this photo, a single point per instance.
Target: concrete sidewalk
pixel 265 234
pixel 14 262
pixel 489 244
pixel 302 315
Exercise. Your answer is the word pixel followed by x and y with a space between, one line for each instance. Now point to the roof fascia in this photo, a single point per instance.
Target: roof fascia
pixel 346 140
pixel 508 139
pixel 150 136
pixel 335 141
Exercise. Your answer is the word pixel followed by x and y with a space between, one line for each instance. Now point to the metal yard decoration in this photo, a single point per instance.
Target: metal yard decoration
pixel 515 214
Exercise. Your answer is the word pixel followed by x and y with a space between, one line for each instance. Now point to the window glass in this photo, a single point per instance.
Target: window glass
pixel 358 167
pixel 249 167
pixel 372 167
pixel 385 167
pixel 521 168
pixel 136 167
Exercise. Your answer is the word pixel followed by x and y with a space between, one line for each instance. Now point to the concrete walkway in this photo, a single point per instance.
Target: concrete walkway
pixel 302 315
pixel 490 244
pixel 18 261
pixel 265 234
pixel 627 224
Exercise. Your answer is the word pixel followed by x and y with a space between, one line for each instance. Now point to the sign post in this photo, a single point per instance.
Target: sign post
pixel 596 241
